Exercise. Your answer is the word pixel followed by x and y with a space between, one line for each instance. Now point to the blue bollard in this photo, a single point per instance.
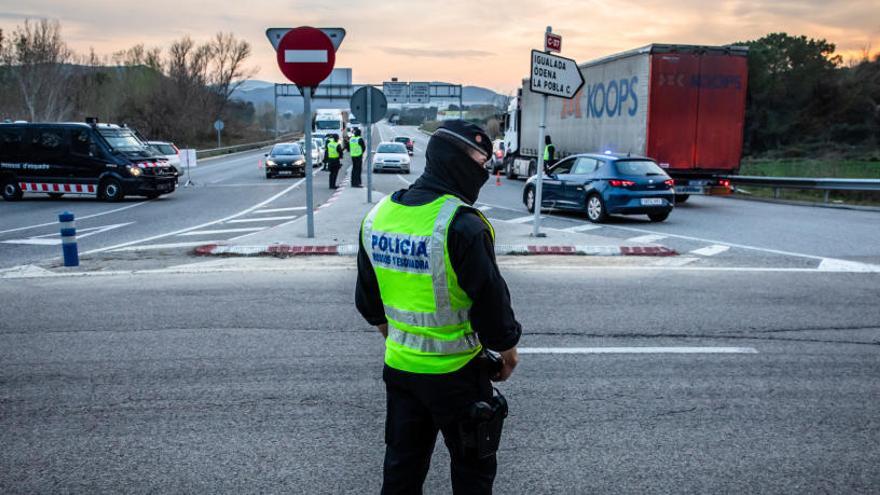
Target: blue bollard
pixel 68 239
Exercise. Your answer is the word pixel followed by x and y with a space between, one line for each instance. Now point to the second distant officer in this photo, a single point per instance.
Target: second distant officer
pixel 356 150
pixel 333 155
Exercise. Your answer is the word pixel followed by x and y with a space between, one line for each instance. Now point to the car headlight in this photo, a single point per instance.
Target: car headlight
pixel 270 163
pixel 135 171
pixel 299 162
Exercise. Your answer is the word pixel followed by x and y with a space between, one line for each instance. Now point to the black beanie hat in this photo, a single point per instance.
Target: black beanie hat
pixel 469 138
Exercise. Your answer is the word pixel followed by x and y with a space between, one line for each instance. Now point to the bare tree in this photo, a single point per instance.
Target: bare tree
pixel 228 71
pixel 36 59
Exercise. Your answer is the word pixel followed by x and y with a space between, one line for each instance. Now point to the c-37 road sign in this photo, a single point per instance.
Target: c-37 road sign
pixel 554 75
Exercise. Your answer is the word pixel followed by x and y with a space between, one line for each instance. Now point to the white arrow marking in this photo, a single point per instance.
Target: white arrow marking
pixel 55 239
pixel 305 56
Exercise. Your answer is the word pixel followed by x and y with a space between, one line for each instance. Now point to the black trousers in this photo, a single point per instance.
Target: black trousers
pixel 356 163
pixel 334 171
pixel 418 407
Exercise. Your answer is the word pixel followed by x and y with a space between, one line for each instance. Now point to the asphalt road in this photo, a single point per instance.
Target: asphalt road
pixel 266 382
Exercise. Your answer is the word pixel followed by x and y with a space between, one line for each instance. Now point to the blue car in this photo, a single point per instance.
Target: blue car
pixel 605 184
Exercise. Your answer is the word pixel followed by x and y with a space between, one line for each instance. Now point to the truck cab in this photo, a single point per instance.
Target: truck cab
pixel 84 159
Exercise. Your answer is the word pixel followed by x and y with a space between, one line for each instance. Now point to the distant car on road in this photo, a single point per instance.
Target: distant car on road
pixel 391 156
pixel 497 161
pixel 285 159
pixel 604 184
pixel 408 142
pixel 317 151
pixel 170 152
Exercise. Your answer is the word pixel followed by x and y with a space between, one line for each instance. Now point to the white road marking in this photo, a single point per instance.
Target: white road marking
pixel 647 239
pixel 262 219
pixel 527 218
pixel 835 265
pixel 220 231
pixel 637 350
pixel 206 224
pixel 404 180
pixel 484 208
pixel 171 245
pixel 94 215
pixel 279 210
pixel 582 228
pixel 711 250
pixel 54 239
pixel 305 56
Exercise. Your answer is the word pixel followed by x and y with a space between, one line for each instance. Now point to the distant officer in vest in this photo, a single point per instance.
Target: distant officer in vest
pixel 549 152
pixel 333 155
pixel 428 280
pixel 356 150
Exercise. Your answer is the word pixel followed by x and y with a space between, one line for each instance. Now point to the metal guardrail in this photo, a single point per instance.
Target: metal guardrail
pixel 808 183
pixel 244 147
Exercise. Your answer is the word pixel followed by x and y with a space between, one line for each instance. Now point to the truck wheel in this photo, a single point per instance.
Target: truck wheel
pixel 681 198
pixel 533 168
pixel 110 190
pixel 11 191
pixel 596 209
pixel 509 170
pixel 529 199
pixel 658 217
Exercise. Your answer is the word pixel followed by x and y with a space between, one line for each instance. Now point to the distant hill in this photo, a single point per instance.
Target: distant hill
pixel 262 92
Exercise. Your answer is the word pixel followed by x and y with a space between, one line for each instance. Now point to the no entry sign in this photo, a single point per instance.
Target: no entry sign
pixel 306 56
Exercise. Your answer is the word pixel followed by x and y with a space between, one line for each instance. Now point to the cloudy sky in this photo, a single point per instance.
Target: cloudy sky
pixel 463 41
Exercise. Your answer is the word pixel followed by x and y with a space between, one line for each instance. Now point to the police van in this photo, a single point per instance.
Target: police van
pixel 84 159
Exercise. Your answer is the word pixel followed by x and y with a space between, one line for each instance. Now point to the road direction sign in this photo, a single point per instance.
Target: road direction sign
pixel 218 125
pixel 395 91
pixel 553 75
pixel 419 92
pixel 378 105
pixel 306 56
pixel 552 42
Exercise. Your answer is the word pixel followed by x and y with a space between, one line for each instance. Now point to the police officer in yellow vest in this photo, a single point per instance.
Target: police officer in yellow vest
pixel 549 152
pixel 333 155
pixel 427 278
pixel 356 150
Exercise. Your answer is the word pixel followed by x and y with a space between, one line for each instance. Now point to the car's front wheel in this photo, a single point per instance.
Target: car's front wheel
pixel 658 217
pixel 529 199
pixel 596 209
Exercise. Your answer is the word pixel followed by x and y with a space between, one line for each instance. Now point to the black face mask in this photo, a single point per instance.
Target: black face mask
pixel 452 171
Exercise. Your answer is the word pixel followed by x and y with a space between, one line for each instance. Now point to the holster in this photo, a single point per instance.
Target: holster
pixel 481 427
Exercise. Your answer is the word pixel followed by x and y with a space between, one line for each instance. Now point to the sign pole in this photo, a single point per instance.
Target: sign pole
pixel 369 146
pixel 539 190
pixel 310 207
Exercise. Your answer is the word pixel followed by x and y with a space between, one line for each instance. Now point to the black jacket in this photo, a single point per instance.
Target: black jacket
pixel 471 250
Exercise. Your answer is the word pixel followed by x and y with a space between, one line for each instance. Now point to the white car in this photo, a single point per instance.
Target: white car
pixel 391 156
pixel 169 151
pixel 317 151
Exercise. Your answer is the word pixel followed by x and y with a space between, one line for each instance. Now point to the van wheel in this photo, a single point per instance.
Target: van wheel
pixel 681 198
pixel 153 196
pixel 596 209
pixel 110 190
pixel 56 195
pixel 11 191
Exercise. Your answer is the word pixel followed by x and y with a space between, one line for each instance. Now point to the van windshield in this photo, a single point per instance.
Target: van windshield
pixel 124 141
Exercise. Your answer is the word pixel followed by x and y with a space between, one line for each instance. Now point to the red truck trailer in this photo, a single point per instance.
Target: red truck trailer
pixel 682 105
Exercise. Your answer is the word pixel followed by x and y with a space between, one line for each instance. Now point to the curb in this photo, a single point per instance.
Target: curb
pixel 286 250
